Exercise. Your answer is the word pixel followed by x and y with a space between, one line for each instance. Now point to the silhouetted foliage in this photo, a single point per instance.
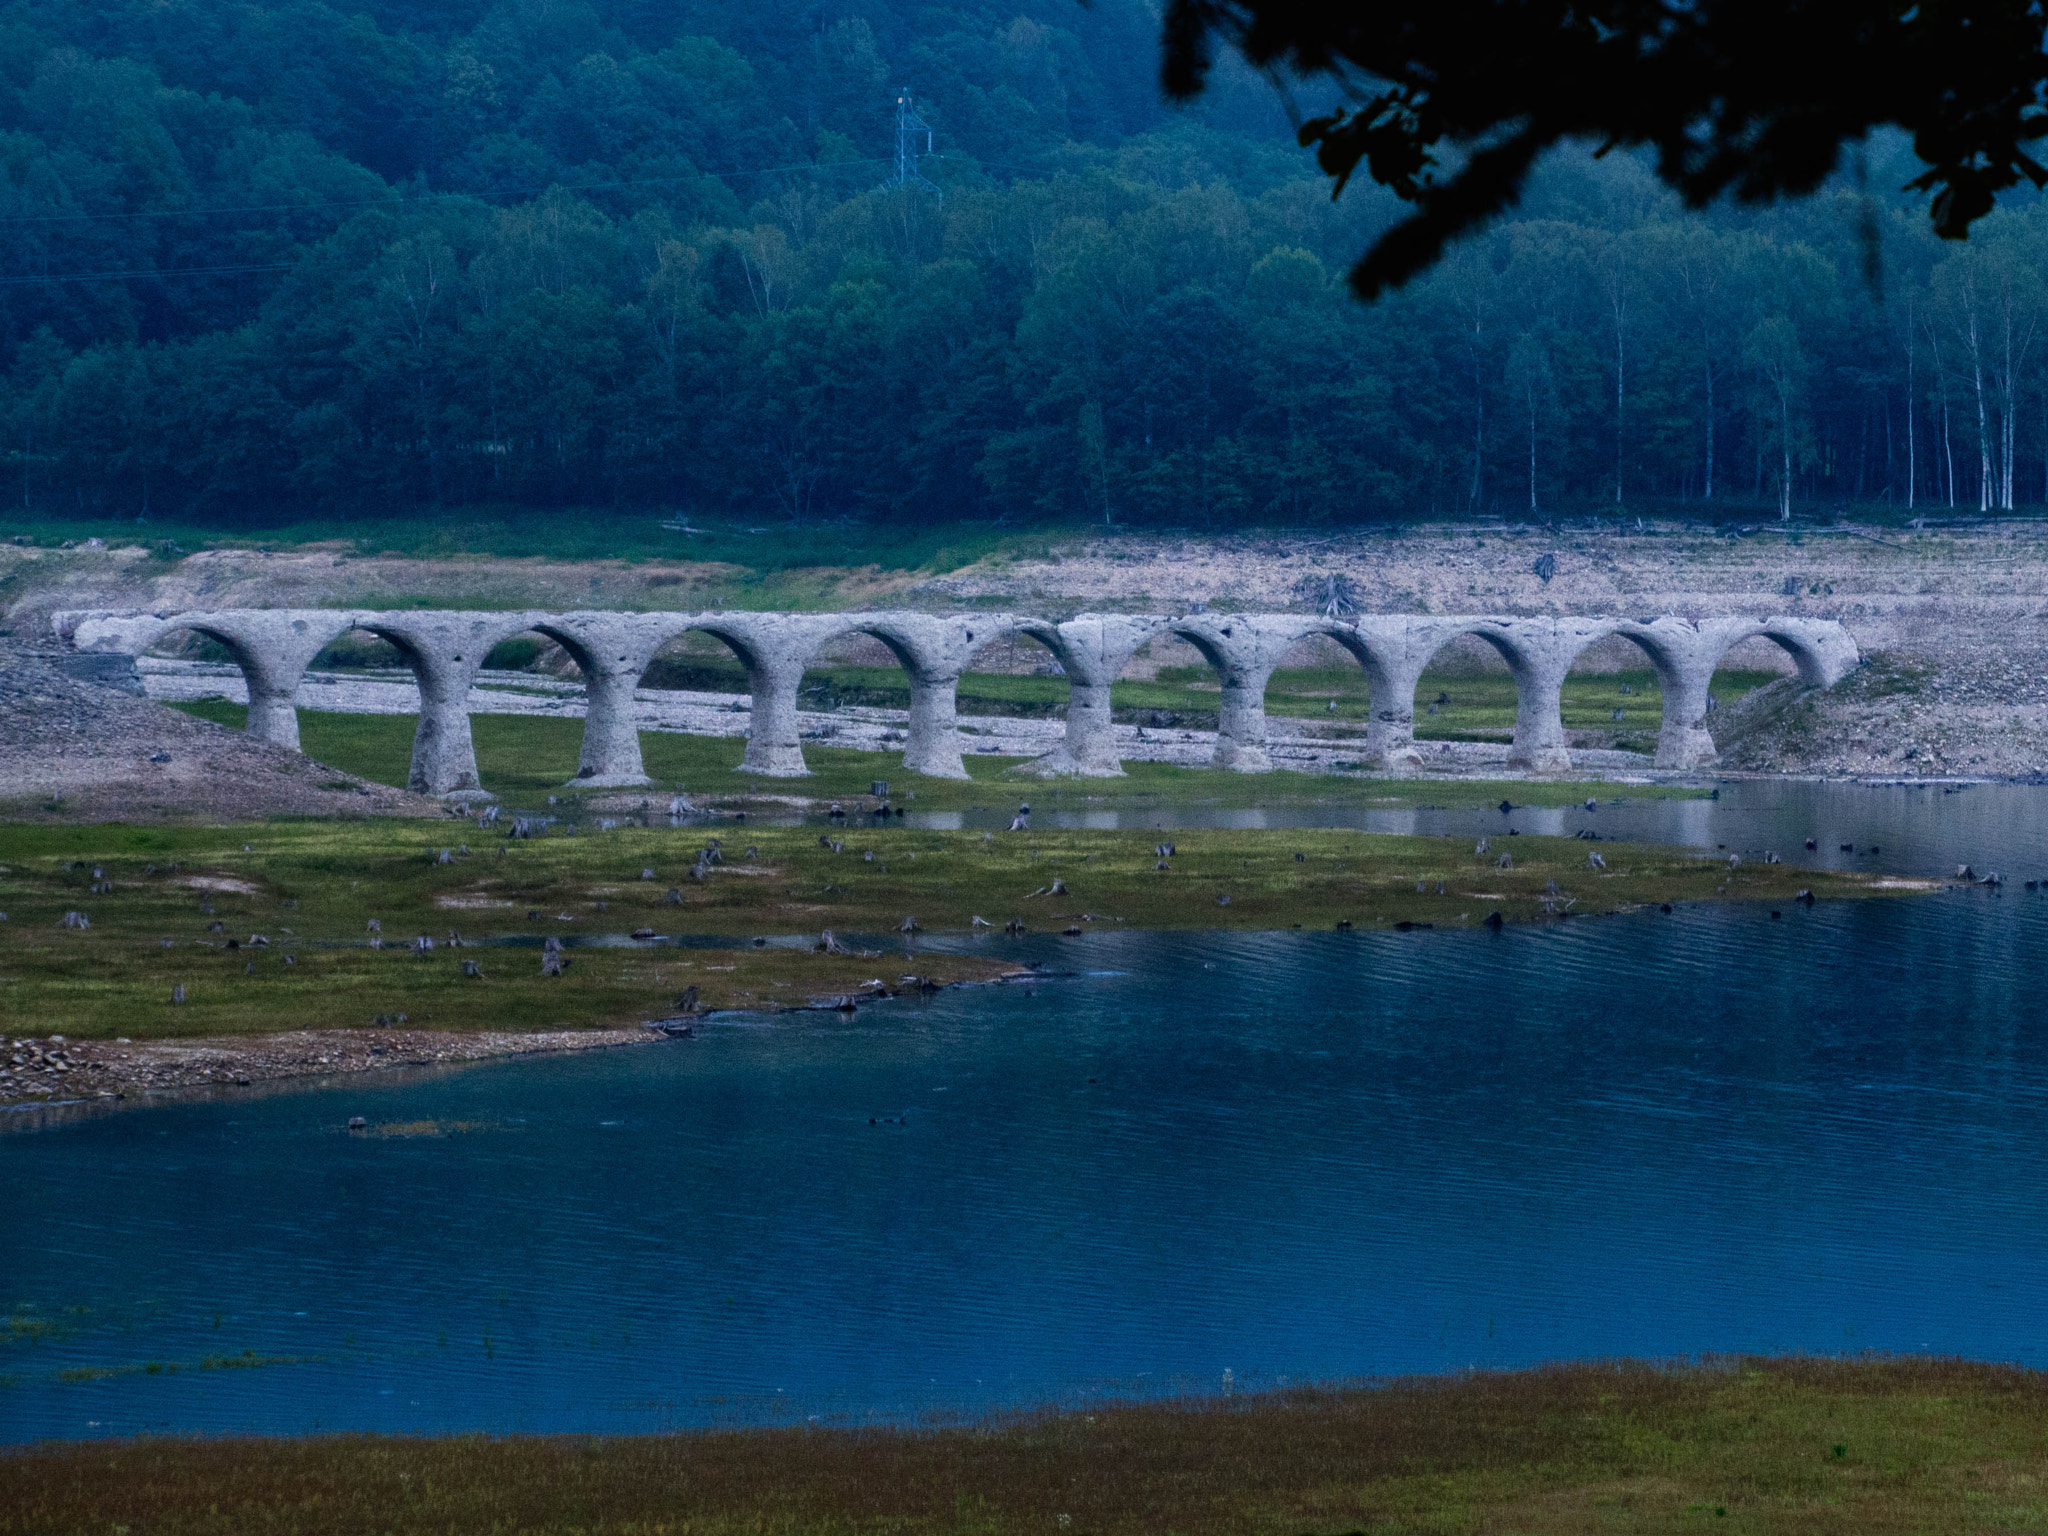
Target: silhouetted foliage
pixel 1731 95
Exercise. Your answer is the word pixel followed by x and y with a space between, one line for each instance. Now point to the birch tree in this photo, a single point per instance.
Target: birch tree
pixel 1772 350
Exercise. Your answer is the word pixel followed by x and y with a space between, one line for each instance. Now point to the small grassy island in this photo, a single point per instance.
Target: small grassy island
pixel 315 924
pixel 1762 1447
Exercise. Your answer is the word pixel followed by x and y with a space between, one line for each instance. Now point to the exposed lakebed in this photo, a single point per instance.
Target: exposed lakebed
pixel 1277 1155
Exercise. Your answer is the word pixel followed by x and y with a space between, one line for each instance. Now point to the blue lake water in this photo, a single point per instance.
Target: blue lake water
pixel 1283 1156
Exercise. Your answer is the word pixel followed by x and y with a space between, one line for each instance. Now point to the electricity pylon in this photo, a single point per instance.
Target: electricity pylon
pixel 909 129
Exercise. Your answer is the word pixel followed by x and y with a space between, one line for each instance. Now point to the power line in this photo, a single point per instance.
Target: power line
pixel 108 277
pixel 405 202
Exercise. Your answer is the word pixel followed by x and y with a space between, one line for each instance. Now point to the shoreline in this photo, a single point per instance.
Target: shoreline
pixel 134 1074
pixel 131 1074
pixel 138 1074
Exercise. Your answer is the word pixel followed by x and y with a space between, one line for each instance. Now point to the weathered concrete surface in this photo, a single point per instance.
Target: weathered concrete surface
pixel 774 648
pixel 1395 650
pixel 446 651
pixel 272 646
pixel 612 650
pixel 1244 648
pixel 1092 650
pixel 934 653
pixel 1540 652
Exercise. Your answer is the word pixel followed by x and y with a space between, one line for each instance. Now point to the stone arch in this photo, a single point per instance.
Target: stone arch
pixel 774 648
pixel 934 652
pixel 1092 649
pixel 1683 654
pixel 1395 651
pixel 1822 649
pixel 1244 648
pixel 613 652
pixel 1539 652
pixel 271 646
pixel 445 650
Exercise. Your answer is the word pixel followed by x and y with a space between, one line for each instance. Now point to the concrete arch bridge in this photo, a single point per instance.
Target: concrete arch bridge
pixel 446 649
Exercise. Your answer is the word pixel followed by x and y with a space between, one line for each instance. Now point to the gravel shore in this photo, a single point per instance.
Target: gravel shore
pixel 52 1070
pixel 72 750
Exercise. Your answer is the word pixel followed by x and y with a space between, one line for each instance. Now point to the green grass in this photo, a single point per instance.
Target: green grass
pixel 1475 707
pixel 526 758
pixel 1759 1447
pixel 312 887
pixel 765 546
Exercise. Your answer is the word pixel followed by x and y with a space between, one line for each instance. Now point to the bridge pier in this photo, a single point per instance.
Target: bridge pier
pixel 774 648
pixel 1092 650
pixel 1244 649
pixel 613 651
pixel 1395 652
pixel 271 646
pixel 934 652
pixel 1540 652
pixel 445 650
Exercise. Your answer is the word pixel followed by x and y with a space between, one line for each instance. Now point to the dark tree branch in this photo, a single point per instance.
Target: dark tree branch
pixel 1746 98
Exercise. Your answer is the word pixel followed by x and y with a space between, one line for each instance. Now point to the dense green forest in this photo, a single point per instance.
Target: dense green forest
pixel 269 260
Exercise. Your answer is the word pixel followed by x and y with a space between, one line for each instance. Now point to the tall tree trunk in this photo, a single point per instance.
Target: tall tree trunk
pixel 1532 451
pixel 1478 407
pixel 1862 448
pixel 1620 373
pixel 1785 447
pixel 1617 304
pixel 1948 452
pixel 1709 369
pixel 1985 470
pixel 1912 456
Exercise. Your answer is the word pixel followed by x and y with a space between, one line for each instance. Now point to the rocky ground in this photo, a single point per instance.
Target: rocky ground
pixel 1909 713
pixel 73 750
pixel 52 1069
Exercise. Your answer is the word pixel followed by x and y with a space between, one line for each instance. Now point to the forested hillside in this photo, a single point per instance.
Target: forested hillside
pixel 266 261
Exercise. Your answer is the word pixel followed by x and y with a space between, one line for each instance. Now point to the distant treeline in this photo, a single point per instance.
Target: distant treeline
pixel 264 261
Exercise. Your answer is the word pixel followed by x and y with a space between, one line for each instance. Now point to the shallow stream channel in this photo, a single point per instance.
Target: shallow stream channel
pixel 1194 1163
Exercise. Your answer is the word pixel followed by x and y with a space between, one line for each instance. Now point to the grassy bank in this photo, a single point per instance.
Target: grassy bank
pixel 515 533
pixel 164 903
pixel 526 758
pixel 1752 1446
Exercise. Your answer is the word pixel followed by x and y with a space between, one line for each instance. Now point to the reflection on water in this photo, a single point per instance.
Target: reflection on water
pixel 1911 826
pixel 1285 1155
